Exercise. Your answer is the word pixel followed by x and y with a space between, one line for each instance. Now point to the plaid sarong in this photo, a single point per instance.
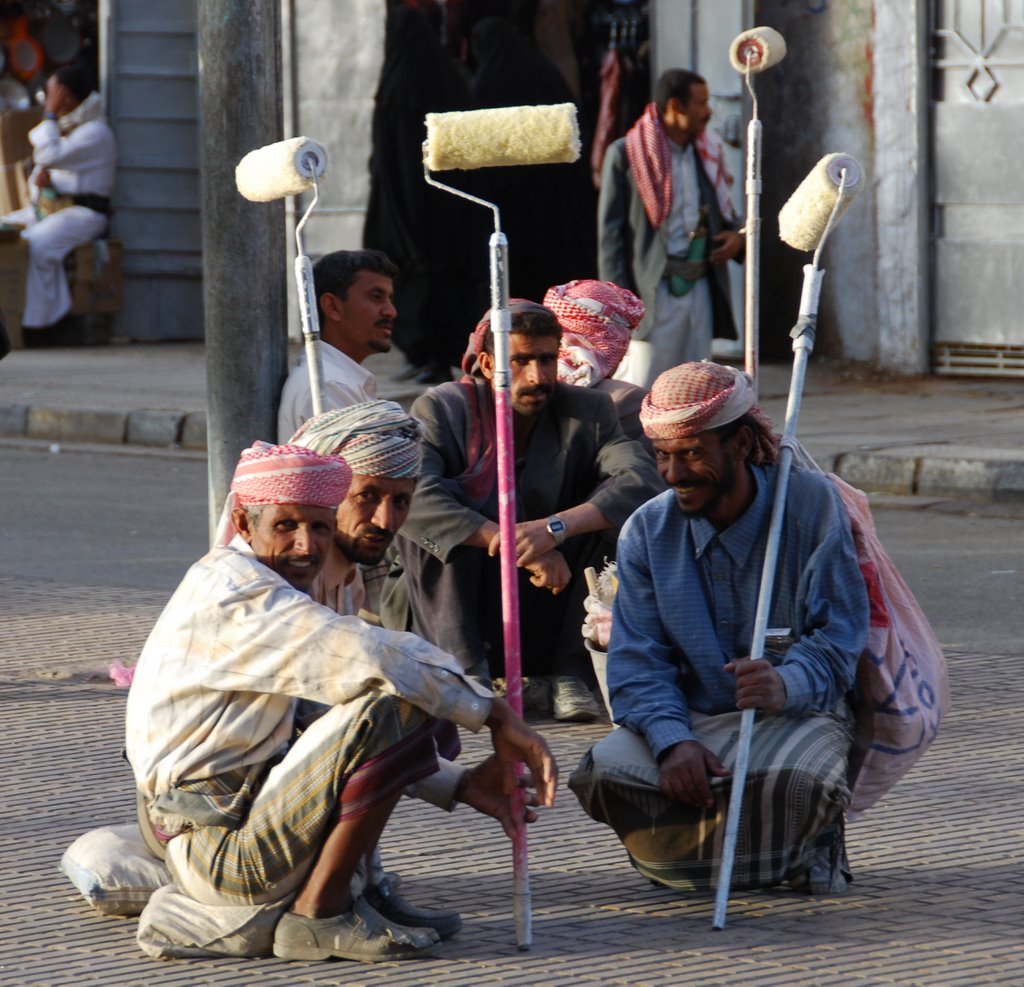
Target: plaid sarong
pixel 796 786
pixel 347 761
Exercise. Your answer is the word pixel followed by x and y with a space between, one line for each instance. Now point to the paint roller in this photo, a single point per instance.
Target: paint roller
pixel 509 136
pixel 752 52
pixel 805 222
pixel 291 167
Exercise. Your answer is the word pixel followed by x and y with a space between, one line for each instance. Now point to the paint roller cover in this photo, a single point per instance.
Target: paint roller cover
pixel 512 135
pixel 803 218
pixel 765 46
pixel 280 169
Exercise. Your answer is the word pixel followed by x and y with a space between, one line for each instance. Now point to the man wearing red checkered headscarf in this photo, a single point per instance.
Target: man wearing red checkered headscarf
pixel 597 320
pixel 253 806
pixel 666 228
pixel 689 570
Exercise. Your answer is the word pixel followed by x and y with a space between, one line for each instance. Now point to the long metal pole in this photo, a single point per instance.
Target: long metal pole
pixel 501 325
pixel 752 253
pixel 803 344
pixel 244 294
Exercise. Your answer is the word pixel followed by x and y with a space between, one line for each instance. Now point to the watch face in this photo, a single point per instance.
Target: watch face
pixel 556 526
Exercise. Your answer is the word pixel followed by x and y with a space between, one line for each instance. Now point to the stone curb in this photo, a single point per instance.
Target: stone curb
pixel 144 427
pixel 995 474
pixel 924 470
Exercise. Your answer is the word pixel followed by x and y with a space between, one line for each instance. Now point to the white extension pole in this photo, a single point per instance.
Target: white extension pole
pixel 752 254
pixel 803 345
pixel 308 310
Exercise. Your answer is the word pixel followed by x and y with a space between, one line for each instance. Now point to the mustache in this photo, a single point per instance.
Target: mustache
pixel 287 559
pixel 537 389
pixel 372 529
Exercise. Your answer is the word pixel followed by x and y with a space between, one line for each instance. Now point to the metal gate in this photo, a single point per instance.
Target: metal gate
pixel 978 197
pixel 151 85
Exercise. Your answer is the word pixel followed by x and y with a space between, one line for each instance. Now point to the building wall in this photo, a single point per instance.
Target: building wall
pixel 817 101
pixel 330 83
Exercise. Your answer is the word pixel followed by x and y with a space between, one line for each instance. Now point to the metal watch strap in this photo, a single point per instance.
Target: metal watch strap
pixel 556 528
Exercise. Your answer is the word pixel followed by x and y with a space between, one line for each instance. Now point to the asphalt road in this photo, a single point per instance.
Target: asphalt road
pixel 101 519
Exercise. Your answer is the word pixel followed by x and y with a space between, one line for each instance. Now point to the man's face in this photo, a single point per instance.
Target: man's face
pixel 534 364
pixel 705 474
pixel 370 516
pixel 291 539
pixel 693 115
pixel 361 323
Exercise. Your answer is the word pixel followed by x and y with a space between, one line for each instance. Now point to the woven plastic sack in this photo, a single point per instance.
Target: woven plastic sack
pixel 172 925
pixel 113 870
pixel 902 677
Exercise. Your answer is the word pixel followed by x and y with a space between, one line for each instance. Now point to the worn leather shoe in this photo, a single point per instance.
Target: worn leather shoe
pixel 361 934
pixel 573 702
pixel 386 899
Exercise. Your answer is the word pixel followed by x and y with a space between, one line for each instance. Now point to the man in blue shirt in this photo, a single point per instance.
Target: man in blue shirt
pixel 689 570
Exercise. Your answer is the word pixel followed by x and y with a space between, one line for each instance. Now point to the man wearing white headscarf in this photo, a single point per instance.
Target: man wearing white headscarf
pixel 689 571
pixel 382 445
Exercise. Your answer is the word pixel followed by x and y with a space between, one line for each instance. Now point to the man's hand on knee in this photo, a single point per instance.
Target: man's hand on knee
pixel 758 685
pixel 483 788
pixel 684 774
pixel 514 741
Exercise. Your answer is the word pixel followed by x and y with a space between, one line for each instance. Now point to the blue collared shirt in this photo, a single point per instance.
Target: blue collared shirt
pixel 687 600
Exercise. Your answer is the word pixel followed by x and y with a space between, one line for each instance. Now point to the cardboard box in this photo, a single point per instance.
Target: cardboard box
pixel 16 156
pixel 13 271
pixel 94 277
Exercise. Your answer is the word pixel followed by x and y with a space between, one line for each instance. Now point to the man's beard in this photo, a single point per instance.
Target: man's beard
pixel 529 410
pixel 352 550
pixel 725 485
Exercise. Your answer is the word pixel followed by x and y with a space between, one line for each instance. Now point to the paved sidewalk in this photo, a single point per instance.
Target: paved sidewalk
pixel 937 898
pixel 930 436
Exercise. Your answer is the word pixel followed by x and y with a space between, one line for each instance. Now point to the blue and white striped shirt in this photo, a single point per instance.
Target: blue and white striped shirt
pixel 687 599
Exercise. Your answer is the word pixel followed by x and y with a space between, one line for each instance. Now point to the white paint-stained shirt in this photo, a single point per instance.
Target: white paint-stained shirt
pixel 344 384
pixel 234 650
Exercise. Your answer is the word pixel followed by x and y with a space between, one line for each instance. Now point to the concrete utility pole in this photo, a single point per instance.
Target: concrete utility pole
pixel 244 267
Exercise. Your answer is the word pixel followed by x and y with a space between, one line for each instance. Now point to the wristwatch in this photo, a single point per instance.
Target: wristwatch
pixel 556 528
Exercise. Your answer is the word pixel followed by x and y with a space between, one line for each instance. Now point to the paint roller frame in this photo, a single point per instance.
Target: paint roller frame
pixel 501 324
pixel 310 162
pixel 750 53
pixel 803 345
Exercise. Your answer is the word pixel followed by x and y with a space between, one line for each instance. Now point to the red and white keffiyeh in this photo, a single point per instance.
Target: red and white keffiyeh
pixel 650 160
pixel 597 320
pixel 289 474
pixel 695 397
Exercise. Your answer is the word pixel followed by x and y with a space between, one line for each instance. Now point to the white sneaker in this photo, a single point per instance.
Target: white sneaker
pixel 573 702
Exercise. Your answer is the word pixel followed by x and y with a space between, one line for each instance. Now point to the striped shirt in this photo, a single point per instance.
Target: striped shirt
pixel 218 680
pixel 687 600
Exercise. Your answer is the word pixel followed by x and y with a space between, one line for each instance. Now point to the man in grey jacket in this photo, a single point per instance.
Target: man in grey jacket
pixel 577 480
pixel 666 229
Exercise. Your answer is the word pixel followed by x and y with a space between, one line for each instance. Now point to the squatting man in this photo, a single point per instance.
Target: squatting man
pixel 252 810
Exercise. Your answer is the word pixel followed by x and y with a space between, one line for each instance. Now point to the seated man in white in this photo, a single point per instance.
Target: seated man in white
pixel 75 159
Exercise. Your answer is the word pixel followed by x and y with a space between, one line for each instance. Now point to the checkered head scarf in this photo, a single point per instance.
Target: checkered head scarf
pixel 597 319
pixel 288 474
pixel 650 161
pixel 377 438
pixel 695 397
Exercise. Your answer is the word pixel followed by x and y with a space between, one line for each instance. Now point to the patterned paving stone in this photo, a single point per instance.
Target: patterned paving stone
pixel 937 899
